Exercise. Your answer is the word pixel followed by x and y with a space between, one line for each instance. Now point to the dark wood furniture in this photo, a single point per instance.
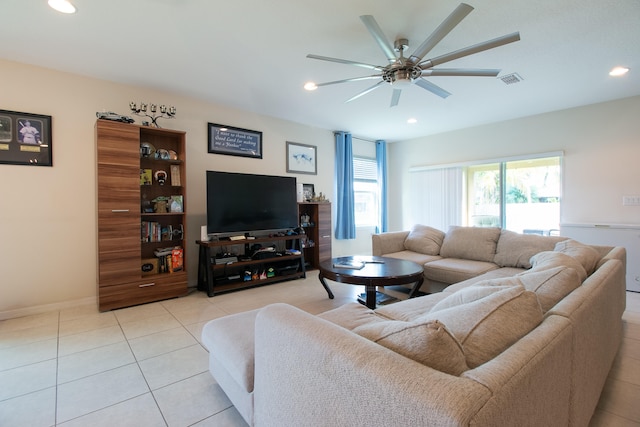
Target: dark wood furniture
pixel 122 205
pixel 377 271
pixel 318 231
pixel 216 278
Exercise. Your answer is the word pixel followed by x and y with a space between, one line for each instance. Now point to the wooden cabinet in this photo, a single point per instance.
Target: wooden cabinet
pixel 318 230
pixel 129 270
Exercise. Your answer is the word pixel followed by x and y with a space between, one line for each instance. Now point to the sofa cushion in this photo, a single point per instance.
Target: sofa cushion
pixel 351 315
pixel 424 239
pixel 552 259
pixel 586 255
pixel 429 343
pixel 493 274
pixel 416 257
pixel 487 326
pixel 474 243
pixel 515 249
pixel 550 285
pixel 454 270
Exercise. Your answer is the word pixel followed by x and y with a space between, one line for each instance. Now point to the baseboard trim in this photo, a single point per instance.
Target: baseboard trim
pixel 39 309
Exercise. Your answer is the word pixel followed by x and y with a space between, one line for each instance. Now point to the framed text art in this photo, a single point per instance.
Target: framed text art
pixel 234 141
pixel 301 158
pixel 25 139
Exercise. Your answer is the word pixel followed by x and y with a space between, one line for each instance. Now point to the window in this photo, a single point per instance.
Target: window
pixel 366 191
pixel 520 195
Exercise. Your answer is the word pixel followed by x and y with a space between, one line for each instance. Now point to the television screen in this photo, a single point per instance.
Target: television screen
pixel 239 202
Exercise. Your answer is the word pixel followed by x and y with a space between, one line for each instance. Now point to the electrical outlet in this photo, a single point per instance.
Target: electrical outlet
pixel 630 200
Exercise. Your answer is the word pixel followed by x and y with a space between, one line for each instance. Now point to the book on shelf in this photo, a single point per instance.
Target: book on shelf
pixel 175 175
pixel 177 259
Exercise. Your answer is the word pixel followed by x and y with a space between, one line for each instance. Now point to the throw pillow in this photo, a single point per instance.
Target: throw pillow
pixel 429 343
pixel 351 315
pixel 552 259
pixel 515 249
pixel 550 285
pixel 474 243
pixel 424 239
pixel 488 326
pixel 586 255
pixel 475 292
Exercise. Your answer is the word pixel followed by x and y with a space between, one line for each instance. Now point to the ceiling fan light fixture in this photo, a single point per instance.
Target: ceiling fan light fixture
pixel 618 71
pixel 310 86
pixel 63 6
pixel 412 121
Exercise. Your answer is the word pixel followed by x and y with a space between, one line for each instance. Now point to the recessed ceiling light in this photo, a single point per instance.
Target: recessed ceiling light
pixel 310 86
pixel 63 6
pixel 618 71
pixel 412 121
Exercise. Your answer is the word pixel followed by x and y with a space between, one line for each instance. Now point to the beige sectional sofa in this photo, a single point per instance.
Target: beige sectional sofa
pixel 527 342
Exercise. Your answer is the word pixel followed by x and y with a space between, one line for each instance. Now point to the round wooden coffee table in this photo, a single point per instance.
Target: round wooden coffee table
pixel 377 271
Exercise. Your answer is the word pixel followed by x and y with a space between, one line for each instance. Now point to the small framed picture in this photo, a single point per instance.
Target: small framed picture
pixel 301 158
pixel 308 191
pixel 25 139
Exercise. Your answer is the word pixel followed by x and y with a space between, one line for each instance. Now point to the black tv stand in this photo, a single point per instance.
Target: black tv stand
pixel 215 278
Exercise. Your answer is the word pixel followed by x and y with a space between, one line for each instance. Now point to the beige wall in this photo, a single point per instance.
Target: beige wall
pixel 47 214
pixel 601 145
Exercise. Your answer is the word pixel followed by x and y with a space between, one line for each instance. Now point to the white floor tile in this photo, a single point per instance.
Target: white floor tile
pixel 87 323
pixel 191 400
pixel 141 411
pixel 27 379
pixel 139 312
pixel 33 410
pixel 175 366
pixel 151 325
pixel 89 340
pixel 99 391
pixel 27 322
pixel 227 418
pixel 23 355
pixel 91 362
pixel 160 343
pixel 27 336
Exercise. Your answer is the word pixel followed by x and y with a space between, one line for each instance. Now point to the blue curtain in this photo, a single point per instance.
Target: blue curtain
pixel 345 215
pixel 381 158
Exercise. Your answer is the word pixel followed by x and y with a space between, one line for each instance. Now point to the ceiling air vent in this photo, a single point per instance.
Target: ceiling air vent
pixel 510 79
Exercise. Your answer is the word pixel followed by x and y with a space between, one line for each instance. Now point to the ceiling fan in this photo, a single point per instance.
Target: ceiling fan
pixel 403 72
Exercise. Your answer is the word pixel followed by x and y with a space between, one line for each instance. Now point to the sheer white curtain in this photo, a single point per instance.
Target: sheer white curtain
pixel 437 197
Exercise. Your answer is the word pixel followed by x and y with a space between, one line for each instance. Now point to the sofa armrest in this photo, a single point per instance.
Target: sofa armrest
pixel 311 372
pixel 388 243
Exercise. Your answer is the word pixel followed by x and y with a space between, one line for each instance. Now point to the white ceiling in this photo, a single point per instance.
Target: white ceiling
pixel 251 54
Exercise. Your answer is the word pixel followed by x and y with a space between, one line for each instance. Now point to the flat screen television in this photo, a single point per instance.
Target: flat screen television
pixel 241 203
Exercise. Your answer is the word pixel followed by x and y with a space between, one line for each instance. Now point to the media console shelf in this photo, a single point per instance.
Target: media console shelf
pixel 225 277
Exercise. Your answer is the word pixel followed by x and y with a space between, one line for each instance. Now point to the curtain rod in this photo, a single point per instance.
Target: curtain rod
pixel 360 138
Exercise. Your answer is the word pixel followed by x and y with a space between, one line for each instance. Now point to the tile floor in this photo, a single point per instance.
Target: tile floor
pixel 145 365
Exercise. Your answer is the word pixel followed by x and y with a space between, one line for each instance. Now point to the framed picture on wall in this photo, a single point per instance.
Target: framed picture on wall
pixel 234 141
pixel 301 158
pixel 25 139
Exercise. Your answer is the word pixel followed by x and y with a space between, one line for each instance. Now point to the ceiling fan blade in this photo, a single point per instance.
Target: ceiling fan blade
pixel 445 28
pixel 355 79
pixel 375 30
pixel 437 90
pixel 366 91
pixel 480 47
pixel 473 72
pixel 395 97
pixel 345 61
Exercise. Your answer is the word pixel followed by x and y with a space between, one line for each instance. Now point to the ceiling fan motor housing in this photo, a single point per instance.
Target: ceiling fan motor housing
pixel 401 75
